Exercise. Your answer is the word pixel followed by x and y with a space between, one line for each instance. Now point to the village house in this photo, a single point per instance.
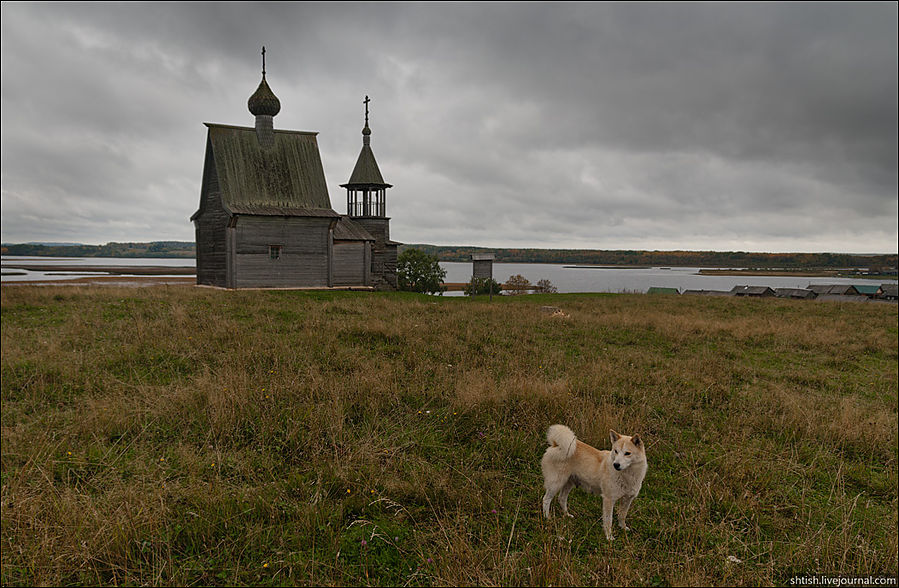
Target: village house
pixel 870 290
pixel 707 293
pixel 889 292
pixel 265 218
pixel 795 293
pixel 753 291
pixel 833 289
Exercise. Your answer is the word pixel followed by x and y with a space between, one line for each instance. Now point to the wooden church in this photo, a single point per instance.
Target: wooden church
pixel 265 218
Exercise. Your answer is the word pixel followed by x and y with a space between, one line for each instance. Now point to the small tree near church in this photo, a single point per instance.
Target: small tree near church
pixel 416 271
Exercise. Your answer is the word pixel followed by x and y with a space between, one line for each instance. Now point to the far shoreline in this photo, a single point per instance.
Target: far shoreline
pixel 795 273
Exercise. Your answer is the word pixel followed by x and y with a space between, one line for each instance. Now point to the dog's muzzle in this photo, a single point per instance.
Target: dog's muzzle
pixel 617 466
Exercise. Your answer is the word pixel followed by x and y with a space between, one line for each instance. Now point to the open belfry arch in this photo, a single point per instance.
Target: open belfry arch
pixel 265 218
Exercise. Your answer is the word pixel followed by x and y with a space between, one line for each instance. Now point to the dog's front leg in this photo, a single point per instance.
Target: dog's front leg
pixel 623 507
pixel 607 506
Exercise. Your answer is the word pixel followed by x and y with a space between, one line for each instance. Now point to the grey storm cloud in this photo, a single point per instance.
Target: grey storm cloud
pixel 766 127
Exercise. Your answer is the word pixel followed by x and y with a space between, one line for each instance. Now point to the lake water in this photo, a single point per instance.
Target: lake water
pixel 591 279
pixel 564 278
pixel 69 274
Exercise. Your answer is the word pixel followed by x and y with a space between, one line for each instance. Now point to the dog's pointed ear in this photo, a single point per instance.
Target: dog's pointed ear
pixel 636 440
pixel 614 436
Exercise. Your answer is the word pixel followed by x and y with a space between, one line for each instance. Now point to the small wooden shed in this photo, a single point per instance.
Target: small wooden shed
pixel 482 265
pixel 352 253
pixel 660 290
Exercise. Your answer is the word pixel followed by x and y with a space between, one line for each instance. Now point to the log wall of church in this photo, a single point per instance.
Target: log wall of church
pixel 302 259
pixel 210 228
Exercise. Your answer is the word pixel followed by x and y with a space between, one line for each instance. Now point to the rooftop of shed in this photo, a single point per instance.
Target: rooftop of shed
pixel 347 230
pixel 836 289
pixel 794 293
pixel 868 289
pixel 752 291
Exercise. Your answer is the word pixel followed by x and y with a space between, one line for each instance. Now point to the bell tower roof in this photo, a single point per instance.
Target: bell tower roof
pixel 366 172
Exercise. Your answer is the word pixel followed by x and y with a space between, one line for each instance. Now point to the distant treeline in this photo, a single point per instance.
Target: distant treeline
pixel 152 249
pixel 732 259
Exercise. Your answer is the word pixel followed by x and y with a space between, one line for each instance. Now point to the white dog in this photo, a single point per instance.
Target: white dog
pixel 617 474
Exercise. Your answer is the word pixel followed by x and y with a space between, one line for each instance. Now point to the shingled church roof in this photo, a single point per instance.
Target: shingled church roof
pixel 284 180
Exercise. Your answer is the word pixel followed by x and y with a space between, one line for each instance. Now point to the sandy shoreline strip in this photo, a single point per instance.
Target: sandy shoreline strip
pixel 109 281
pixel 131 270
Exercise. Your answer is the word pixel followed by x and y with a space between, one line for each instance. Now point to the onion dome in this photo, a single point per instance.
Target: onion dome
pixel 263 101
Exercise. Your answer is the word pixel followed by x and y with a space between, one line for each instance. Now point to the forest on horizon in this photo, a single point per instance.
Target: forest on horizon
pixel 624 258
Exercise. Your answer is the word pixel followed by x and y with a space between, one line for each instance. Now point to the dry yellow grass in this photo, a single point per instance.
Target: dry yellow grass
pixel 176 435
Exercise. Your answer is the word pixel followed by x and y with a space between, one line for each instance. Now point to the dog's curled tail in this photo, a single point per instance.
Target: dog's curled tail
pixel 562 437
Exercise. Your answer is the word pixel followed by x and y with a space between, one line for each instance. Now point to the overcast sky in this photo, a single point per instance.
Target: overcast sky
pixel 753 127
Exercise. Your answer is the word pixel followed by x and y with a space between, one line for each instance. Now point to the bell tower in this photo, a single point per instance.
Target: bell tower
pixel 366 190
pixel 366 205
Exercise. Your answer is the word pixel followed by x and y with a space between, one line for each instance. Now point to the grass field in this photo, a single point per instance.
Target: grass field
pixel 181 436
